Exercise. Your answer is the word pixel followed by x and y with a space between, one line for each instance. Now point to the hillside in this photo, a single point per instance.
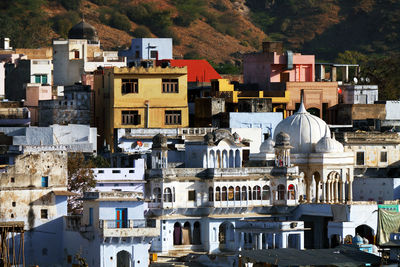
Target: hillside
pixel 218 30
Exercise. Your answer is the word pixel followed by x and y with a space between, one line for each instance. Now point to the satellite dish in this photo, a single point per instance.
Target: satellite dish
pixel 362 79
pixel 367 80
pixel 355 80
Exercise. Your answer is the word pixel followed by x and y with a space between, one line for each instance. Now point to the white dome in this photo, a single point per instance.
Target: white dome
pixel 267 146
pixel 304 129
pixel 328 145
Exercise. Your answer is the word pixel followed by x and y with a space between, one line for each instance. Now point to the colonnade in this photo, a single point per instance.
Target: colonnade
pixel 331 190
pixel 222 158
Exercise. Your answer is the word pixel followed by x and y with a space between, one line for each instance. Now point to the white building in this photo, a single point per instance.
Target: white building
pixel 122 179
pixel 81 54
pixel 148 49
pixel 359 94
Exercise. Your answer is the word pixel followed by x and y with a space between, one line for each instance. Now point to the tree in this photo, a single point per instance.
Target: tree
pixel 80 179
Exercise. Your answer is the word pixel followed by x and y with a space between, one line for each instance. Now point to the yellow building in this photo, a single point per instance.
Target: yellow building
pixel 139 97
pixel 223 88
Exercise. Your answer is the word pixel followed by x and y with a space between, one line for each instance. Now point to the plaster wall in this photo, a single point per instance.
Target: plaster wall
pixel 41 67
pixel 266 121
pixel 372 154
pixel 360 94
pixel 162 45
pixel 255 135
pixel 375 189
pixel 392 110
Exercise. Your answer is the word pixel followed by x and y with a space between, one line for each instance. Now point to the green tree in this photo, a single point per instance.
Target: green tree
pixel 142 32
pixel 351 57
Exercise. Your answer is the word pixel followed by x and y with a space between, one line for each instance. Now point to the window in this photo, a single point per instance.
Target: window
pixel 231 193
pixel 41 78
pixel 76 54
pixel 170 86
pixel 237 193
pixel 192 195
pixel 131 171
pixel 210 194
pixel 218 194
pixel 14 204
pixel 43 214
pixel 129 86
pixel 291 192
pixel 266 193
pixel 157 194
pixel 90 216
pixel 101 171
pixel 12 180
pixel 256 193
pixel 168 195
pixel 281 192
pixel 383 156
pixel 130 117
pixel 244 193
pixel 360 158
pixel 45 181
pixel 137 54
pixel 154 54
pixel 173 117
pixel 224 194
pixel 116 171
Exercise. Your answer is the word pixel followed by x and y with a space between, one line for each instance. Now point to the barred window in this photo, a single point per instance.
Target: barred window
pixel 130 117
pixel 129 86
pixel 173 117
pixel 170 86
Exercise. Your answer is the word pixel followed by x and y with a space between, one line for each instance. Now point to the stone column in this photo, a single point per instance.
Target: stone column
pixel 331 191
pixel 323 200
pixel 241 242
pixel 260 245
pixel 343 192
pixel 350 193
pixel 308 190
pixel 317 192
pixel 333 74
pixel 273 241
pixel 328 193
pixel 335 190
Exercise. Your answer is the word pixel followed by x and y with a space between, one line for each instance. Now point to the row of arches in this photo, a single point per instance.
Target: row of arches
pixel 331 190
pixel 244 193
pixel 186 235
pixel 168 194
pixel 224 159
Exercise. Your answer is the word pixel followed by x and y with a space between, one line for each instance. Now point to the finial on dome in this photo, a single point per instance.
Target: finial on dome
pixel 302 109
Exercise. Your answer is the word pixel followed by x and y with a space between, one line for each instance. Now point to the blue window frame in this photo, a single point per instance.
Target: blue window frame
pixel 45 181
pixel 121 218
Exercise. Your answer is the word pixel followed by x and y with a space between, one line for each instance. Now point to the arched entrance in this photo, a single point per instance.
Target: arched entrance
pixel 226 236
pixel 196 233
pixel 186 234
pixel 366 232
pixel 124 259
pixel 177 234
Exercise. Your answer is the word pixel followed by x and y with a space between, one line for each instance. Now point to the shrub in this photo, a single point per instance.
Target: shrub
pixel 64 22
pixel 189 11
pixel 120 22
pixel 142 32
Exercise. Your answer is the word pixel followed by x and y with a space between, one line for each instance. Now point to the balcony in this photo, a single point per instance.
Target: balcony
pixel 130 228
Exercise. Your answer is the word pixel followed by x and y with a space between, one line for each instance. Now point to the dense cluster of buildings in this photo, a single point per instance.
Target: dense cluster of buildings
pixel 286 164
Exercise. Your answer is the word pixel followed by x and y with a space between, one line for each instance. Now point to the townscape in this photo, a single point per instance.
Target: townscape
pixel 135 158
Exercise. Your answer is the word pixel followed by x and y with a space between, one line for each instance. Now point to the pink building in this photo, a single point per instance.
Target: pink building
pixel 34 93
pixel 275 66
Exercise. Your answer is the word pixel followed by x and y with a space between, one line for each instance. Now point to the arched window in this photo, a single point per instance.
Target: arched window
pixel 210 194
pixel 266 193
pixel 157 194
pixel 291 192
pixel 244 193
pixel 237 193
pixel 224 194
pixel 256 193
pixel 167 195
pixel 231 193
pixel 218 194
pixel 249 193
pixel 281 192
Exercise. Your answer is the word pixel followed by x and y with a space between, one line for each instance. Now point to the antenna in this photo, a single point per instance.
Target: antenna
pixel 355 80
